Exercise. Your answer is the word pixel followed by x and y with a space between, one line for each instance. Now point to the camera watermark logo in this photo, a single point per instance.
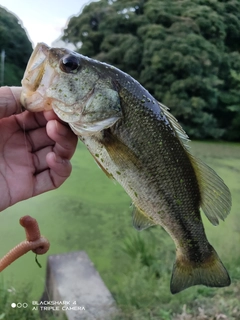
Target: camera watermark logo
pixel 19 305
pixel 49 305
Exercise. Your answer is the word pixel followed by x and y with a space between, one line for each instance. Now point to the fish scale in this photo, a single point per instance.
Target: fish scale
pixel 164 165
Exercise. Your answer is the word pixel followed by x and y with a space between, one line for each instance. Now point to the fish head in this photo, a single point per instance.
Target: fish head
pixel 74 86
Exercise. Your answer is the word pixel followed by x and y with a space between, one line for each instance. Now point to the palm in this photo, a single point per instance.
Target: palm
pixel 31 162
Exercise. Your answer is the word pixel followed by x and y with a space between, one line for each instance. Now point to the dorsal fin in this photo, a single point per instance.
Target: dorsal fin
pixel 175 124
pixel 215 196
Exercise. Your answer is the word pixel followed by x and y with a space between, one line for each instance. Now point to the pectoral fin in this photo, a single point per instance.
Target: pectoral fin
pixel 120 154
pixel 140 220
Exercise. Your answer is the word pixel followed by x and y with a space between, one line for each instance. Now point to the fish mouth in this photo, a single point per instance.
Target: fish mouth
pixel 36 79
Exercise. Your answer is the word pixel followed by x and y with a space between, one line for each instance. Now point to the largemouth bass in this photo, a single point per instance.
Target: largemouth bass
pixel 136 141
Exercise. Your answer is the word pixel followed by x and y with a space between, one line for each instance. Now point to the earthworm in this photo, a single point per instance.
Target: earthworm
pixel 35 242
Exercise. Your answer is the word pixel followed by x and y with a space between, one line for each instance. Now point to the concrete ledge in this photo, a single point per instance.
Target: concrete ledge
pixel 74 287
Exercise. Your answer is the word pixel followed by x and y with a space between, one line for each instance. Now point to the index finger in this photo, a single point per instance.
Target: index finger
pixel 10 101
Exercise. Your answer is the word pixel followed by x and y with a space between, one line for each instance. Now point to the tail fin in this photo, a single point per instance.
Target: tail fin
pixel 186 273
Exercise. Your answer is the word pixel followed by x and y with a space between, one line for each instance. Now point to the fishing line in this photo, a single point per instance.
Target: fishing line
pixel 25 137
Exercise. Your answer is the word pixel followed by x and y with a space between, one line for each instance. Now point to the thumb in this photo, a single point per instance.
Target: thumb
pixel 10 101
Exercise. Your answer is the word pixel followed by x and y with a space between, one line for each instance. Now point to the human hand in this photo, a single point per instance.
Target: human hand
pixel 35 149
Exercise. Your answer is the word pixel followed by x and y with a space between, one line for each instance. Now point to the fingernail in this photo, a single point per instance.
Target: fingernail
pixel 58 159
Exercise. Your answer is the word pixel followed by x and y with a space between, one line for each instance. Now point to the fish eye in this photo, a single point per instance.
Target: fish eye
pixel 70 64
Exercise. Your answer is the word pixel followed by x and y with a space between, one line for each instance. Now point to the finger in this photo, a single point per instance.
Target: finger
pixel 66 140
pixel 30 120
pixel 60 170
pixel 40 159
pixel 10 101
pixel 39 139
pixel 51 115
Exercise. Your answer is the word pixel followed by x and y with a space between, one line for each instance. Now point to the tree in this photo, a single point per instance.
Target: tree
pixel 184 52
pixel 18 48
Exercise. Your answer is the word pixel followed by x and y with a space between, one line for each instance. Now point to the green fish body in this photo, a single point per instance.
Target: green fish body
pixel 136 141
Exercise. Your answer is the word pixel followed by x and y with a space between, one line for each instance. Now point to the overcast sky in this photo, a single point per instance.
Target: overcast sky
pixel 44 19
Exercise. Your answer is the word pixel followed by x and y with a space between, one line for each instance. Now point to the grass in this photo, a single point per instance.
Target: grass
pixel 89 212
